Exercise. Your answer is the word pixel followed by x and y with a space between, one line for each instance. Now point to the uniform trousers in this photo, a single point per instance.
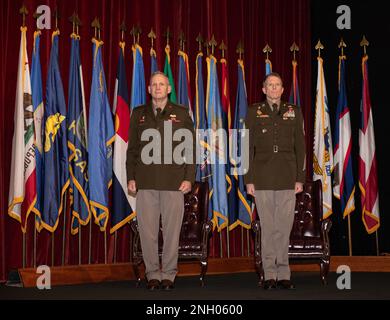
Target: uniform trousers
pixel 150 204
pixel 276 212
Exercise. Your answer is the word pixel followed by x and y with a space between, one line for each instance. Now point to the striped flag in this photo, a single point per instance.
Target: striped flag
pixel 294 92
pixel 343 184
pixel 56 177
pixel 77 140
pixel 22 192
pixel 37 99
pixel 123 205
pixel 168 73
pixel 368 178
pixel 241 213
pixel 100 140
pixel 218 185
pixel 323 151
pixel 138 88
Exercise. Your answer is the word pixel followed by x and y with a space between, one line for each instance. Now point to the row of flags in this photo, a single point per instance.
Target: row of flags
pixel 55 153
pixel 336 159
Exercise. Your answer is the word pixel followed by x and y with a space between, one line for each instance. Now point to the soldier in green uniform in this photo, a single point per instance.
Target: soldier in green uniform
pixel 160 178
pixel 276 173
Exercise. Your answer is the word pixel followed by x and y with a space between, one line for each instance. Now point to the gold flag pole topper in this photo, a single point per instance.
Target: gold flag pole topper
pixel 319 46
pixel 199 40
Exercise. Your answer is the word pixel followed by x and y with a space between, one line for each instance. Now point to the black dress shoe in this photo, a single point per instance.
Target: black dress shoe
pixel 285 284
pixel 167 284
pixel 269 284
pixel 153 284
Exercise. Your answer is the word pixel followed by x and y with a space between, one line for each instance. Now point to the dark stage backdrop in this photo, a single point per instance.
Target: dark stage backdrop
pixel 276 22
pixel 370 19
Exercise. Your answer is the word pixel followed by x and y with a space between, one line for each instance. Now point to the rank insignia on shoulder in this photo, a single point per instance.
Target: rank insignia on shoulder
pixel 142 119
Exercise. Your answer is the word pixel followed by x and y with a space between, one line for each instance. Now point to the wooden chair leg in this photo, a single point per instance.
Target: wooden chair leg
pixel 203 266
pixel 324 269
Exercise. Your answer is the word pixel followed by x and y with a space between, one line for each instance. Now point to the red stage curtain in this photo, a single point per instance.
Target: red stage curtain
pixel 256 22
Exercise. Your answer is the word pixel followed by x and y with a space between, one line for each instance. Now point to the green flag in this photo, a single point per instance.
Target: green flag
pixel 168 73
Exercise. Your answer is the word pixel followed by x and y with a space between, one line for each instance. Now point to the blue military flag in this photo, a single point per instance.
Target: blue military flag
pixel 77 140
pixel 218 143
pixel 241 212
pixel 138 89
pixel 183 87
pixel 153 61
pixel 100 140
pixel 268 66
pixel 203 169
pixel 56 172
pixel 37 99
pixel 123 205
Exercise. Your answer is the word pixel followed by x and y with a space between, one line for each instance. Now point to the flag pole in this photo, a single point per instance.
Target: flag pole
pixel 64 227
pixel 364 43
pixel 52 249
pixel 341 46
pixel 223 47
pixel 36 16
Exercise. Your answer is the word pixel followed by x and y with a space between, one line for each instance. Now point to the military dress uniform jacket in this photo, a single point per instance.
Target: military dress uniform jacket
pixel 276 147
pixel 163 175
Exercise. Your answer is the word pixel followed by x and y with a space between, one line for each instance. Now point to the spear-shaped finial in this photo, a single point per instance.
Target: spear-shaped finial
pixel 364 43
pixel 133 32
pixel 319 46
pixel 199 40
pixel 23 11
pixel 294 48
pixel 240 49
pixel 123 29
pixel 36 15
pixel 182 40
pixel 96 25
pixel 167 35
pixel 212 43
pixel 222 47
pixel 151 36
pixel 267 50
pixel 341 46
pixel 74 18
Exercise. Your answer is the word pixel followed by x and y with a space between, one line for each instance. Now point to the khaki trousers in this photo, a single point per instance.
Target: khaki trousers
pixel 150 204
pixel 276 213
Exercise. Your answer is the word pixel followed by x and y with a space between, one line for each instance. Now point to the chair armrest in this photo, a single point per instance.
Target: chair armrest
pixel 206 230
pixel 325 227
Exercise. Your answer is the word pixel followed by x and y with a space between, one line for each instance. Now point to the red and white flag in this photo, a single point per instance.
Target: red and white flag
pixel 23 192
pixel 368 178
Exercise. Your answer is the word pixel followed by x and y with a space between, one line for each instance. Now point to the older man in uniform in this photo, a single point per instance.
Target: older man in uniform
pixel 276 173
pixel 160 185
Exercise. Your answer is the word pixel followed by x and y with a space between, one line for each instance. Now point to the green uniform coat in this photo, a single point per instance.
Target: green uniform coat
pixel 158 176
pixel 276 147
